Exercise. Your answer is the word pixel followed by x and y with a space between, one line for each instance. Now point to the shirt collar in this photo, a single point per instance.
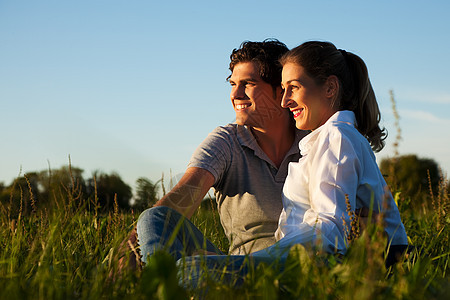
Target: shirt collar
pixel 246 139
pixel 343 116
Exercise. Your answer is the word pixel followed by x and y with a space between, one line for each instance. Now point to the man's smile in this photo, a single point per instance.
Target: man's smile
pixel 242 106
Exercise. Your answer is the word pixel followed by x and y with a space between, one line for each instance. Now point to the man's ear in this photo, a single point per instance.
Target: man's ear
pixel 332 87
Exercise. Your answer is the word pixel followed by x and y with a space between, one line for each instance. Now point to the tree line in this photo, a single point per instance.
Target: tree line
pixel 48 188
pixel 415 178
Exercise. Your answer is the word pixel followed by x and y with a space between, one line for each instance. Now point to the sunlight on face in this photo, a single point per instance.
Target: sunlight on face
pixel 308 101
pixel 252 98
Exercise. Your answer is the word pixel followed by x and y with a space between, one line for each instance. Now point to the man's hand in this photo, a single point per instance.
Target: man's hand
pixel 187 195
pixel 129 256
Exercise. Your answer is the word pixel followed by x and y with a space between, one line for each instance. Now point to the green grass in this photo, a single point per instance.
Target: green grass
pixel 71 252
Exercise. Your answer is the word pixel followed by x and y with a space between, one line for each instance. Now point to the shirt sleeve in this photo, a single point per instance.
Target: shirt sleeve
pixel 334 179
pixel 213 154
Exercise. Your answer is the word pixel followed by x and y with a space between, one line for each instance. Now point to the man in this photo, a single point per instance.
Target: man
pixel 245 162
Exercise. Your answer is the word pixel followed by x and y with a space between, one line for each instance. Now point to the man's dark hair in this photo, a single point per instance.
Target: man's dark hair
pixel 266 54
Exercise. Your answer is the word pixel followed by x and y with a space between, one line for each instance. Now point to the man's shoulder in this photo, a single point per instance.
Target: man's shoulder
pixel 222 137
pixel 230 128
pixel 231 131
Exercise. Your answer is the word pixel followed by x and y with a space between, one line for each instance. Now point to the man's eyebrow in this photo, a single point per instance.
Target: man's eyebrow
pixel 248 79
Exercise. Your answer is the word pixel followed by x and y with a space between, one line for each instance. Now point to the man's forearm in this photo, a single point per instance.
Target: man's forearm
pixel 183 200
pixel 188 194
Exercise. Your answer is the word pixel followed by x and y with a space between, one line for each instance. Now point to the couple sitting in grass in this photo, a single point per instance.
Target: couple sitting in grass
pixel 297 159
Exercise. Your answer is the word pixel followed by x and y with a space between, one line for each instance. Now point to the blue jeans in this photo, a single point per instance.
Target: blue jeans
pixel 162 228
pixel 229 269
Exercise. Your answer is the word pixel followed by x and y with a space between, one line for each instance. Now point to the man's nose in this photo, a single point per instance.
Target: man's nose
pixel 238 92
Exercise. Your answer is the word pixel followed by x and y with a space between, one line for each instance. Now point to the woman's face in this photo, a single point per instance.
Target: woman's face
pixel 309 102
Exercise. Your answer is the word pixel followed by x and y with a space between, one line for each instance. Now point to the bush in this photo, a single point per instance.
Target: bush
pixel 414 177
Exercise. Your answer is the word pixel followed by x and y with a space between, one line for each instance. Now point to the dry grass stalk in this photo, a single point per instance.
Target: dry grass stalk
pixel 162 184
pixel 430 188
pixel 116 211
pixel 441 205
pixel 353 231
pixel 397 140
pixel 398 137
pixel 32 198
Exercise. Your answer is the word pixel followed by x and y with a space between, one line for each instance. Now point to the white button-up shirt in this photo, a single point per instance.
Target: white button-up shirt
pixel 336 161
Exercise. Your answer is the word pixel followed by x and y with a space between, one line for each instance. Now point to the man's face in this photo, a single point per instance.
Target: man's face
pixel 255 102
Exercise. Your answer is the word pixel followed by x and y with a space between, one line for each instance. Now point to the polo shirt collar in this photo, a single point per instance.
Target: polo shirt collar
pixel 246 139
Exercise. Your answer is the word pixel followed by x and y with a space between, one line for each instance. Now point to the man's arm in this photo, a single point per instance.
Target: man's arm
pixel 185 198
pixel 187 195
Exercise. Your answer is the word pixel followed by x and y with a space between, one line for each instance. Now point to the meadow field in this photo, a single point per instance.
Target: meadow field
pixel 71 251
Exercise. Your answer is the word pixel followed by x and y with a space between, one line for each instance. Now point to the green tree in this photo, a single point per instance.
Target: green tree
pixel 58 183
pixel 409 174
pixel 22 195
pixel 146 193
pixel 108 187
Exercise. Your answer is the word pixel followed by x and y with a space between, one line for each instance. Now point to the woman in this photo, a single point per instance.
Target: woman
pixel 329 92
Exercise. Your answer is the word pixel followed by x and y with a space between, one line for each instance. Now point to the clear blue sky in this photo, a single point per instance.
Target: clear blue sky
pixel 135 86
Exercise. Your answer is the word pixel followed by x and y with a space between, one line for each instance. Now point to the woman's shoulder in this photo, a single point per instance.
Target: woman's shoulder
pixel 339 132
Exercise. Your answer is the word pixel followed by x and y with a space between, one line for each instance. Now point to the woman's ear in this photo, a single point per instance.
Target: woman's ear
pixel 332 87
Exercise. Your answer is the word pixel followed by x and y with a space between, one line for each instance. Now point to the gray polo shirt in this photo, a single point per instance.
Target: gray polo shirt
pixel 247 185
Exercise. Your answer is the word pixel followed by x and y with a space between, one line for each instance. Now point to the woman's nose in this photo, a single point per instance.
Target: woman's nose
pixel 285 100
